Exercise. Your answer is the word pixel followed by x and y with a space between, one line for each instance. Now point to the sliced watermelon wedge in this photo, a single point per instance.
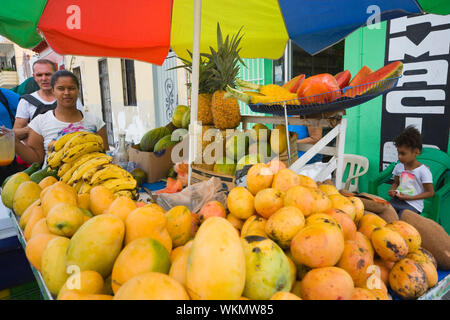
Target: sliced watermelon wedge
pixel 343 78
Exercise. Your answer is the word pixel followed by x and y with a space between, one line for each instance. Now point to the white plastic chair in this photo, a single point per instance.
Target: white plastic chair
pixel 359 165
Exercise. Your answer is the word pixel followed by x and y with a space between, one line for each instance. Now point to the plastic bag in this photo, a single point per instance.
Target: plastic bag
pixel 194 196
pixel 313 170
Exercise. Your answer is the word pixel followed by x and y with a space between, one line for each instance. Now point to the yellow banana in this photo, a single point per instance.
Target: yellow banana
pixel 119 184
pixel 59 144
pixel 78 173
pixel 85 188
pixel 74 165
pixel 64 168
pixel 82 138
pixel 109 172
pixel 88 174
pixel 76 186
pixel 81 149
pixel 124 193
pixel 54 159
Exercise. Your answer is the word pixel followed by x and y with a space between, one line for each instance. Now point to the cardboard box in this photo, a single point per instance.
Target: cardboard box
pixel 155 164
pixel 293 137
pixel 200 174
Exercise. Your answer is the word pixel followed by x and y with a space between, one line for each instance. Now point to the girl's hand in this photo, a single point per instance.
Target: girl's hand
pixel 392 193
pixel 403 196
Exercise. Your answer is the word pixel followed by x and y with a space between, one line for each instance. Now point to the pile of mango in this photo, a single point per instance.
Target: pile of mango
pixel 282 237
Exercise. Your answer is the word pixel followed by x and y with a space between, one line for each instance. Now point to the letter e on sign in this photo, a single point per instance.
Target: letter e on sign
pixel 74 20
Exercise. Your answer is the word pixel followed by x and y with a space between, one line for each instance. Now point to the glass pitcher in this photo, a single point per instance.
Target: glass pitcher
pixel 7 147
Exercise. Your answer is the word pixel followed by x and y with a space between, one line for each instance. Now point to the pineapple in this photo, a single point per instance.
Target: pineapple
pixel 204 114
pixel 225 111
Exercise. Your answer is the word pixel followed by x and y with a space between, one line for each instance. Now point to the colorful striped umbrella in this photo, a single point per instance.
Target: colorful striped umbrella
pixel 145 29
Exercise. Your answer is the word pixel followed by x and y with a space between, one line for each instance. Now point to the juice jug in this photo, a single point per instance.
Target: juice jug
pixel 7 149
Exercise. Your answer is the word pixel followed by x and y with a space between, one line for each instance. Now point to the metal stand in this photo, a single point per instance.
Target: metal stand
pixel 339 126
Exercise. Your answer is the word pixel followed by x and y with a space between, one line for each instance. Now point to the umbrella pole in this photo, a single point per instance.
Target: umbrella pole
pixel 193 127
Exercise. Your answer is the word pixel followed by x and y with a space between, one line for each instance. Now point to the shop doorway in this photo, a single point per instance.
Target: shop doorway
pixel 106 99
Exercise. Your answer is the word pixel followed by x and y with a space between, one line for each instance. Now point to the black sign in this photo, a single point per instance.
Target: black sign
pixel 422 96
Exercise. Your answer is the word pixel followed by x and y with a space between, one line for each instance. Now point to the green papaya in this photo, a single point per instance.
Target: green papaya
pixel 150 139
pixel 164 143
pixel 267 268
pixel 35 166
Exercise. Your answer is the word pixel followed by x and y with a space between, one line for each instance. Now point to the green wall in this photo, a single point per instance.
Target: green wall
pixel 365 47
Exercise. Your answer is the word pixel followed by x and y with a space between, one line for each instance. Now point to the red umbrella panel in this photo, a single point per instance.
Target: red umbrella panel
pixel 113 28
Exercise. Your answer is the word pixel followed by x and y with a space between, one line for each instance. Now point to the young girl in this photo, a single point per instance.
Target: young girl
pixel 413 181
pixel 64 119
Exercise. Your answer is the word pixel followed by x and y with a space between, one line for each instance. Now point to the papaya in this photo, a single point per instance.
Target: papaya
pixel 9 190
pixel 64 219
pixel 100 199
pixel 151 286
pixel 179 224
pixel 74 295
pixel 164 143
pixel 40 227
pixel 47 181
pixel 121 207
pixel 284 224
pixel 389 244
pixel 53 264
pixel 35 248
pixel 235 221
pixel 177 115
pixel 57 193
pixel 259 177
pixel 96 244
pixel 268 201
pixel 328 283
pixel 328 189
pixel 408 279
pixel 362 294
pixel 87 282
pixel 27 193
pixel 408 232
pixel 282 295
pixel 345 221
pixel 149 139
pixel 355 260
pixel 216 263
pixel 139 256
pixel 267 268
pixel 27 213
pixel 293 84
pixel 179 264
pixel 427 266
pixel 321 202
pixel 254 226
pixel 300 197
pixel 364 242
pixel 318 245
pixel 36 214
pixel 147 222
pixel 341 202
pixel 284 179
pixel 240 202
pixel 323 87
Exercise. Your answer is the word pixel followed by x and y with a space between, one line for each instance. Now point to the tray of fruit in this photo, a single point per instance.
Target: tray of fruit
pixel 319 93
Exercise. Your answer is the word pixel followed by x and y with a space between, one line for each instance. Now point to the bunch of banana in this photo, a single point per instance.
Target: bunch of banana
pixel 83 168
pixel 80 149
pixel 120 184
pixel 110 171
pixel 67 169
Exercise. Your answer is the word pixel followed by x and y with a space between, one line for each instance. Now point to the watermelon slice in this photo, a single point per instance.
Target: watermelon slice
pixel 172 186
pixel 343 78
pixel 293 84
pixel 392 70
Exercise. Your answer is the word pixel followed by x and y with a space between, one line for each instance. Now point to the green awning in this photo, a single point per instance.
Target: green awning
pixel 435 6
pixel 19 19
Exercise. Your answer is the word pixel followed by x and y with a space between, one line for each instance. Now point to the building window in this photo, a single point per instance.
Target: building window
pixel 77 72
pixel 299 61
pixel 128 82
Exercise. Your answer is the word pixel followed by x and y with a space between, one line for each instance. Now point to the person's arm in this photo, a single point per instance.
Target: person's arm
pixel 102 133
pixel 33 151
pixel 21 128
pixel 315 134
pixel 392 192
pixel 428 193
